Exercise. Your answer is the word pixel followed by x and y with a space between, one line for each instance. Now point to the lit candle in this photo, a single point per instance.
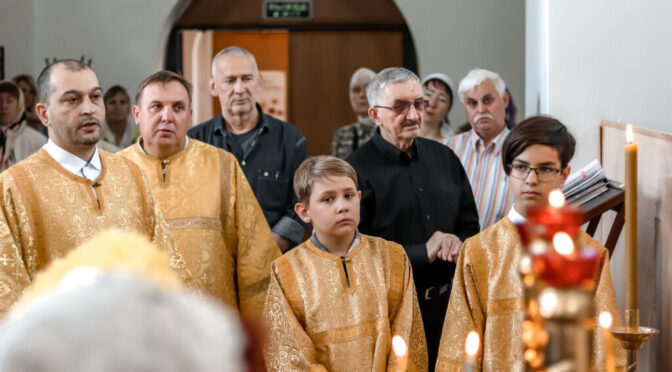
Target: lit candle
pixel 605 322
pixel 563 244
pixel 471 348
pixel 401 351
pixel 630 230
pixel 556 198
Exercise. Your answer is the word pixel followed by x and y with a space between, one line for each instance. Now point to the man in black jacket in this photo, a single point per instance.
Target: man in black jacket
pixel 414 192
pixel 268 150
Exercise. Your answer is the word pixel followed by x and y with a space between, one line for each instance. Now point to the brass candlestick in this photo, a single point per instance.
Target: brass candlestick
pixel 633 337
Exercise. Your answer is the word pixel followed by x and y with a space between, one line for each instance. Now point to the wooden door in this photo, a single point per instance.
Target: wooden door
pixel 320 65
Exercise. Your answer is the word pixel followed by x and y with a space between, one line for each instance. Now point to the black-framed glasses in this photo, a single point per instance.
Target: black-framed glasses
pixel 402 107
pixel 544 174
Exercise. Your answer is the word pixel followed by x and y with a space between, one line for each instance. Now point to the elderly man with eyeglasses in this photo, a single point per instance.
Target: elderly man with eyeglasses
pixel 483 94
pixel 414 192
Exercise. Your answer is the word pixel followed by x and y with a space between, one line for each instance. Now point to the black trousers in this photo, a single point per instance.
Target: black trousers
pixel 433 315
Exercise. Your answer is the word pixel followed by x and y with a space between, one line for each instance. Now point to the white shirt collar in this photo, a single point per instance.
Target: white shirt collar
pixel 516 217
pixel 71 162
pixel 139 143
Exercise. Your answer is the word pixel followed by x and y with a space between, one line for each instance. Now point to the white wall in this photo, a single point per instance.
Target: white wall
pixel 16 35
pixel 457 35
pixel 609 59
pixel 124 38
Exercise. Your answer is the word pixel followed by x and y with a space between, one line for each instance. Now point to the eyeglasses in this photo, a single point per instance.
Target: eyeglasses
pixel 544 174
pixel 402 107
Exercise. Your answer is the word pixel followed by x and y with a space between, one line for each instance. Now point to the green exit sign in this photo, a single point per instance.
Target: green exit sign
pixel 288 10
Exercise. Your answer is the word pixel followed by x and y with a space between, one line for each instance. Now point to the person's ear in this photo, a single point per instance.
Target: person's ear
pixel 302 211
pixel 213 91
pixel 505 98
pixel 373 114
pixel 565 173
pixel 41 111
pixel 136 114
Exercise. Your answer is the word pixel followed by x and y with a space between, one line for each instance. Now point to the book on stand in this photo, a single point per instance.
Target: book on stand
pixel 586 184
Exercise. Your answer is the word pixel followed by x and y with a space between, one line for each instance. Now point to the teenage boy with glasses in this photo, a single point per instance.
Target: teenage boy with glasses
pixel 487 294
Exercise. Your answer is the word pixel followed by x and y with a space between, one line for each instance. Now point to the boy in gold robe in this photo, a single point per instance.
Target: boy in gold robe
pixel 217 223
pixel 68 191
pixel 336 300
pixel 487 294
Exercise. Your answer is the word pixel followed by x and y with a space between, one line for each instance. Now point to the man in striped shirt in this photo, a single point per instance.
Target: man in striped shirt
pixel 483 94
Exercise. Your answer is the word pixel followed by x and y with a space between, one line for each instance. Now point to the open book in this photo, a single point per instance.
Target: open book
pixel 585 184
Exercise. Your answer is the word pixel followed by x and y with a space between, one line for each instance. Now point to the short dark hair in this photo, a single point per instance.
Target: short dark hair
pixel 10 87
pixel 44 80
pixel 538 130
pixel 113 91
pixel 26 79
pixel 316 167
pixel 164 77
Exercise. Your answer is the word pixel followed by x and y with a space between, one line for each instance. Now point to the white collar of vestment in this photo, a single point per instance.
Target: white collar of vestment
pixel 142 150
pixel 516 217
pixel 72 163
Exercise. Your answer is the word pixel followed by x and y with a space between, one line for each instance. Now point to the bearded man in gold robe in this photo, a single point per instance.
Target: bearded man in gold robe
pixel 217 223
pixel 487 294
pixel 68 191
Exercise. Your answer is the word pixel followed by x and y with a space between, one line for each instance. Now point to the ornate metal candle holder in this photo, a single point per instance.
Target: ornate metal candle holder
pixel 558 280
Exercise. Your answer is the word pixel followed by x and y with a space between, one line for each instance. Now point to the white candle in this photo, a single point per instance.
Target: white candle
pixel 471 347
pixel 401 351
pixel 605 322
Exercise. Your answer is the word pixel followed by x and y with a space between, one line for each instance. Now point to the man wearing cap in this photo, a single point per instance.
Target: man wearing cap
pixel 483 94
pixel 438 91
pixel 348 138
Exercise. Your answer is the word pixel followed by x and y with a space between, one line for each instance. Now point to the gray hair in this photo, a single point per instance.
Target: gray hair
pixel 476 77
pixel 120 322
pixel 236 51
pixel 389 76
pixel 362 75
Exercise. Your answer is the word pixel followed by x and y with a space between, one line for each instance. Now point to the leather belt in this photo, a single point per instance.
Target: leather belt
pixel 434 292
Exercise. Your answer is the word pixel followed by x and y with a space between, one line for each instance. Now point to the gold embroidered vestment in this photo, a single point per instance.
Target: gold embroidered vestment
pixel 487 297
pixel 47 211
pixel 319 322
pixel 216 220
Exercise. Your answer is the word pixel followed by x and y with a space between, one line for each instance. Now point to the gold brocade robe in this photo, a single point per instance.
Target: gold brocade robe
pixel 487 297
pixel 319 322
pixel 47 211
pixel 217 223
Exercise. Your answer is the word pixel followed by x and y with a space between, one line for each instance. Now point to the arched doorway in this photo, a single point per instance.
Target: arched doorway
pixel 316 56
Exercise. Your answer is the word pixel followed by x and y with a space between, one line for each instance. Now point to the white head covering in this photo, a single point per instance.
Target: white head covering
pixel 118 321
pixel 441 77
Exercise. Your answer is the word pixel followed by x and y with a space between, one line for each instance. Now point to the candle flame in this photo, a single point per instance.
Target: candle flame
pixel 563 243
pixel 399 345
pixel 472 344
pixel 556 198
pixel 629 136
pixel 547 302
pixel 605 320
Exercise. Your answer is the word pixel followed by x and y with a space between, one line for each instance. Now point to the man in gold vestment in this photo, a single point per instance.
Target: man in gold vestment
pixel 66 192
pixel 205 197
pixel 487 294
